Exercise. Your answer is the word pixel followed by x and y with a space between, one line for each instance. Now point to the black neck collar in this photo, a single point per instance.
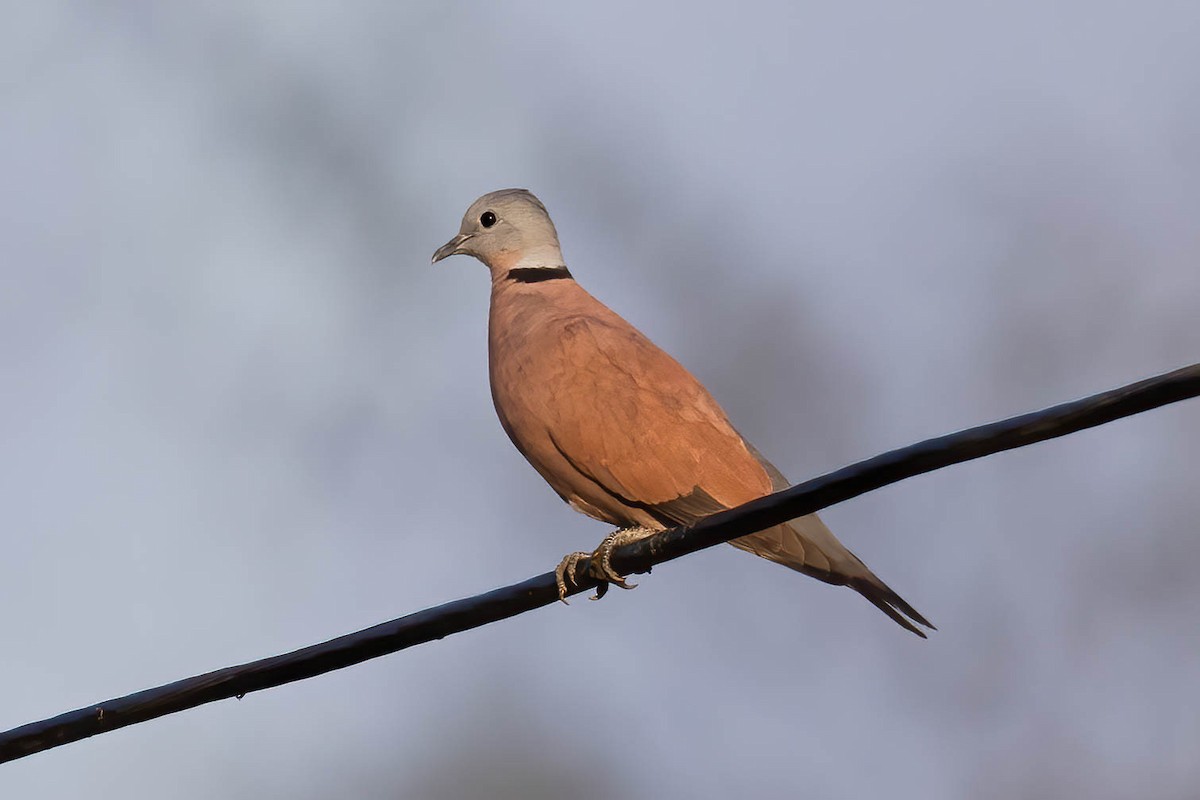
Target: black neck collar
pixel 537 274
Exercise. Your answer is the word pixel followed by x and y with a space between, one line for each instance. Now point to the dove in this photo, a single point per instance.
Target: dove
pixel 619 429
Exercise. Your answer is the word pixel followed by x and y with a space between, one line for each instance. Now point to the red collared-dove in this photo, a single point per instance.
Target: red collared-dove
pixel 618 428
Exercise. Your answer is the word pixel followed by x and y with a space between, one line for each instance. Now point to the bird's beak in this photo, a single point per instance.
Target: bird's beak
pixel 451 247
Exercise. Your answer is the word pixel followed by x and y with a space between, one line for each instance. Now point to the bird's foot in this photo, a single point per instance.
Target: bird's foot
pixel 599 563
pixel 567 569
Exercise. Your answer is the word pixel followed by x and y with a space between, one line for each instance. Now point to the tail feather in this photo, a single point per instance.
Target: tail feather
pixel 890 603
pixel 807 546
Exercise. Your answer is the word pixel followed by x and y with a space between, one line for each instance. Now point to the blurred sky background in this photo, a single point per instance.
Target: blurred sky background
pixel 240 413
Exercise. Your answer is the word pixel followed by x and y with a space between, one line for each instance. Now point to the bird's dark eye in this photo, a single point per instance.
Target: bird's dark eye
pixel 487 219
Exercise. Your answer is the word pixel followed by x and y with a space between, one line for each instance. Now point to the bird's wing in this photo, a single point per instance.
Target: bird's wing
pixel 637 423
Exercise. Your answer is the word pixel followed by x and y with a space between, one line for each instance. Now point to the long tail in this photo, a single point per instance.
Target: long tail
pixel 807 546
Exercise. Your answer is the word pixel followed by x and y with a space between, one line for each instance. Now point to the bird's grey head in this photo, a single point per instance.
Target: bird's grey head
pixel 508 229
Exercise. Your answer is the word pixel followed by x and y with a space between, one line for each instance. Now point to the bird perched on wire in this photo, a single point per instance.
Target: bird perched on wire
pixel 619 429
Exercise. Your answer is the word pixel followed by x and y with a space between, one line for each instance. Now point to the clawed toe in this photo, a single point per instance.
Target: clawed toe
pixel 568 568
pixel 601 566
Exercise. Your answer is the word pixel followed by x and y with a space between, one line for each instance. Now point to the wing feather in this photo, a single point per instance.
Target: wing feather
pixel 633 420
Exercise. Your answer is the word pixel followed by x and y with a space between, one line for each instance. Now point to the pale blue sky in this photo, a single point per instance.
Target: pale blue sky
pixel 241 413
